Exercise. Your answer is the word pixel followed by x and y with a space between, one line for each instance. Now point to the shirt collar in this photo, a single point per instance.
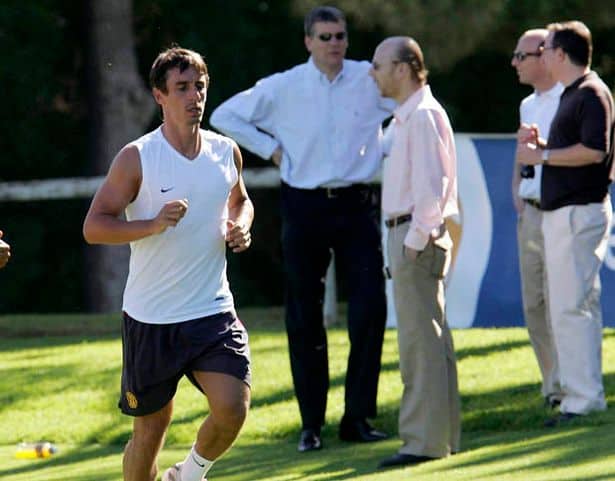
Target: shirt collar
pixel 555 91
pixel 315 74
pixel 589 75
pixel 403 112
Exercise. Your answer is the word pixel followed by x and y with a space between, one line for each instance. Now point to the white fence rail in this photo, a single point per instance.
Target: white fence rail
pixel 84 187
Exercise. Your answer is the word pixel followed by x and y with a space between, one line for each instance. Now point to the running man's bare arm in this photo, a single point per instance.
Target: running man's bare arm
pixel 103 223
pixel 5 251
pixel 241 211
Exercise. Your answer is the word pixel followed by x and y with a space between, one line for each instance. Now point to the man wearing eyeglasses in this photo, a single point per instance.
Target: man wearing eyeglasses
pixel 577 165
pixel 320 122
pixel 537 109
pixel 419 191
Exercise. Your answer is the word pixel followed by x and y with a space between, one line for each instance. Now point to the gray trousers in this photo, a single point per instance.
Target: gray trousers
pixel 535 298
pixel 429 415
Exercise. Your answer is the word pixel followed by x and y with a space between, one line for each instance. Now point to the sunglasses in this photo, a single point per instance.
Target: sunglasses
pixel 521 56
pixel 326 37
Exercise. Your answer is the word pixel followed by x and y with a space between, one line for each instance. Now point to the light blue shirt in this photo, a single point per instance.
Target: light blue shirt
pixel 329 131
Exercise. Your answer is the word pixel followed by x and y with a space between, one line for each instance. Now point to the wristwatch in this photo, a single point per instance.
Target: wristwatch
pixel 545 156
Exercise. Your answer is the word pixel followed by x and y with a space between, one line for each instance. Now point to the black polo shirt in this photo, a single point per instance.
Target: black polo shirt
pixel 586 116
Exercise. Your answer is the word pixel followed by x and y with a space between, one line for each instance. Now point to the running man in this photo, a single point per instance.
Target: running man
pixel 184 197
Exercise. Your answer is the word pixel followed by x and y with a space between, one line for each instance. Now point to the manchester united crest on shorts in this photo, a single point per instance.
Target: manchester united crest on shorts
pixel 132 400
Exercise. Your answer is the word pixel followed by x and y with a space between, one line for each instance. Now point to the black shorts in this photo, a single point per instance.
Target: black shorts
pixel 156 356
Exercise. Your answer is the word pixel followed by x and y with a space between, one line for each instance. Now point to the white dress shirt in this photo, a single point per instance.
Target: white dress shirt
pixel 538 108
pixel 328 130
pixel 420 175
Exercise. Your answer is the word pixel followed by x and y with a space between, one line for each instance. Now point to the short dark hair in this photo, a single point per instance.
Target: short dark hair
pixel 171 58
pixel 409 52
pixel 322 14
pixel 575 39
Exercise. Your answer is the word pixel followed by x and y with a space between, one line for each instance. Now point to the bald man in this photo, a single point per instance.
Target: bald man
pixel 419 191
pixel 537 109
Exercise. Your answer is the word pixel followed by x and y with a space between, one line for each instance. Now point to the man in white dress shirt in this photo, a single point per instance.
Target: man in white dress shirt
pixel 538 108
pixel 320 122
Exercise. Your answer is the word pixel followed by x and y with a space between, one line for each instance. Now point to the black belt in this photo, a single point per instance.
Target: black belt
pixel 331 192
pixel 395 221
pixel 534 203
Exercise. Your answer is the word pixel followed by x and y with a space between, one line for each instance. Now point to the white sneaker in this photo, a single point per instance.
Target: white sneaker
pixel 172 474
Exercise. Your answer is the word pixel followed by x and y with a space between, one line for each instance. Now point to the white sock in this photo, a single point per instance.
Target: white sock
pixel 195 466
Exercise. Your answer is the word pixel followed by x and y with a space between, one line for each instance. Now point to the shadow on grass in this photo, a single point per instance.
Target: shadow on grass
pixel 506 414
pixel 17 344
pixel 340 461
pixel 571 446
pixel 66 377
pixel 467 352
pixel 512 408
pixel 255 461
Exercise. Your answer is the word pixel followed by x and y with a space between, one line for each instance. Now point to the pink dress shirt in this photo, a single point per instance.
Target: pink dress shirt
pixel 420 175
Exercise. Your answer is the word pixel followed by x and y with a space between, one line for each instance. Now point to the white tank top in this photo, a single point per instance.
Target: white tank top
pixel 180 274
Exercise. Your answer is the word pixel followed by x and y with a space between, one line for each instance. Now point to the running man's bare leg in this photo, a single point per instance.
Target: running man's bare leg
pixel 141 452
pixel 229 400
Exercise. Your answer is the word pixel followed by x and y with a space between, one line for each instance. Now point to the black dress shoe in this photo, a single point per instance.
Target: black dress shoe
pixel 309 440
pixel 399 459
pixel 561 420
pixel 359 430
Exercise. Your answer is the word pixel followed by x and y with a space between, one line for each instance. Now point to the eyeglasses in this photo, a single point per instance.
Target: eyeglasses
pixel 326 37
pixel 521 56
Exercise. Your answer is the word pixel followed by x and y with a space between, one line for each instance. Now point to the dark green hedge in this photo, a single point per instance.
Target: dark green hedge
pixel 44 115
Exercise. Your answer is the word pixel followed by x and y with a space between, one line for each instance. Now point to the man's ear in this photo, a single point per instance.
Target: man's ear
pixel 308 43
pixel 157 93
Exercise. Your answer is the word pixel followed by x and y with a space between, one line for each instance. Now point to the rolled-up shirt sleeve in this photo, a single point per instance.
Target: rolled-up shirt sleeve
pixel 248 116
pixel 428 153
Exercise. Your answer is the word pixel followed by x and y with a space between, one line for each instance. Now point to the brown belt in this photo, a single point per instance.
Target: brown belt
pixel 534 203
pixel 395 221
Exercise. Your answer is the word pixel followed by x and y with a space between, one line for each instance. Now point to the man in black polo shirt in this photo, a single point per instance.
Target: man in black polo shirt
pixel 577 162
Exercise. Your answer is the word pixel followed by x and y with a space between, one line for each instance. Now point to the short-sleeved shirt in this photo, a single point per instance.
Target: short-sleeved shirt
pixel 586 116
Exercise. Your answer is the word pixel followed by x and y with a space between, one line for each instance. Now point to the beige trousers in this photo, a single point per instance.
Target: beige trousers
pixel 535 298
pixel 429 415
pixel 575 245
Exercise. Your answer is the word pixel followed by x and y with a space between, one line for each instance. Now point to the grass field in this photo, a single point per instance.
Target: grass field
pixel 59 380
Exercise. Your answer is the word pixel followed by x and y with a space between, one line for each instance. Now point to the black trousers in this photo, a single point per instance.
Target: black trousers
pixel 345 220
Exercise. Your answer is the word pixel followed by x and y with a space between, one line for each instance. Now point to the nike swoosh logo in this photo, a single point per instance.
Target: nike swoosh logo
pixel 163 190
pixel 201 465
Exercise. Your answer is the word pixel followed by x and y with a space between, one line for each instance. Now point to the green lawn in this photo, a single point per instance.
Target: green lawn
pixel 59 380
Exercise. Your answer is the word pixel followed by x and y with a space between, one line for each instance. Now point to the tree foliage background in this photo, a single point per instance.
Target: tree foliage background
pixel 47 122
